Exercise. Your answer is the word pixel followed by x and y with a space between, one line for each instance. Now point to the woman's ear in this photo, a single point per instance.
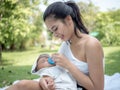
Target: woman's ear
pixel 68 20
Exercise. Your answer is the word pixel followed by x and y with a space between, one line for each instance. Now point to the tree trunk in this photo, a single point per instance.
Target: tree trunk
pixel 0 53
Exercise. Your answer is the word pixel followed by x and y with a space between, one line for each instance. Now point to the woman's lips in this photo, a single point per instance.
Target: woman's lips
pixel 62 37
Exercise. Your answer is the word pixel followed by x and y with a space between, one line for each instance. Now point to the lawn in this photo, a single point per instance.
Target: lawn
pixel 112 60
pixel 16 65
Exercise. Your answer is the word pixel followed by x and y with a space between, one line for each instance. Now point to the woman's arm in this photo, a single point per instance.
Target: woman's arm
pixel 94 57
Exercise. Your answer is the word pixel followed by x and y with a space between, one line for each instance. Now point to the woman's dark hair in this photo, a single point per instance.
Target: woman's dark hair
pixel 59 10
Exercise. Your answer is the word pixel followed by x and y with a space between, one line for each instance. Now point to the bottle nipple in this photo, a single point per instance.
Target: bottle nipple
pixel 50 61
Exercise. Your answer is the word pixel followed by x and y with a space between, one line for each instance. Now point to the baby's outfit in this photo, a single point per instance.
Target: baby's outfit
pixel 63 80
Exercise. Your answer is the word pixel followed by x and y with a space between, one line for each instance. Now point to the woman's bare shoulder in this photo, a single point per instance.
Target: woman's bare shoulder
pixel 93 46
pixel 92 42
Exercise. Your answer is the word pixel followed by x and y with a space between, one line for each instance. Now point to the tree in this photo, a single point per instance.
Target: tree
pixel 108 25
pixel 18 22
pixel 89 12
pixel 13 23
pixel 5 11
pixel 16 25
pixel 0 53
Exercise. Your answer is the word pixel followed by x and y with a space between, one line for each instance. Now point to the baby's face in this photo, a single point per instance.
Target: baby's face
pixel 43 62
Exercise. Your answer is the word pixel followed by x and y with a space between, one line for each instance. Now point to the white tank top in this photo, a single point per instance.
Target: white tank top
pixel 65 49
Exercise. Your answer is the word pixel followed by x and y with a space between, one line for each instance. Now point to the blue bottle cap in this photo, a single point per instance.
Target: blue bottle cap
pixel 50 61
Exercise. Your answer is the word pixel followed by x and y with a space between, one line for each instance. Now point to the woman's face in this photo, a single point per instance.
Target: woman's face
pixel 60 29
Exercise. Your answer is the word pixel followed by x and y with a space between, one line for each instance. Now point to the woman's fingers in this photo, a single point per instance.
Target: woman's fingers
pixel 61 60
pixel 43 84
pixel 56 56
pixel 47 83
pixel 51 86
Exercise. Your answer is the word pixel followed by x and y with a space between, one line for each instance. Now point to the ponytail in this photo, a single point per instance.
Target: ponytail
pixel 76 16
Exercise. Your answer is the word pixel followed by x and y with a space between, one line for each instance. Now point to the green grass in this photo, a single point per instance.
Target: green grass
pixel 112 60
pixel 16 65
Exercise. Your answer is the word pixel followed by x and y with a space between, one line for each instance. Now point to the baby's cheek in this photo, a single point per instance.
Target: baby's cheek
pixel 42 66
pixel 49 65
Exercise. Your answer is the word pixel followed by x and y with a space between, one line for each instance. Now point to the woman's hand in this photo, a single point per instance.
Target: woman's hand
pixel 47 83
pixel 61 60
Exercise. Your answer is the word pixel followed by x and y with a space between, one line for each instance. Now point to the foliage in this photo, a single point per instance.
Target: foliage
pixel 0 53
pixel 21 23
pixel 16 22
pixel 108 25
pixel 88 11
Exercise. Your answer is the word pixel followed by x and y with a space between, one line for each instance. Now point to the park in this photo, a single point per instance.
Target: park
pixel 23 36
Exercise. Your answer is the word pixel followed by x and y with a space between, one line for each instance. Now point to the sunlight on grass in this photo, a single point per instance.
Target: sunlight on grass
pixel 112 60
pixel 16 65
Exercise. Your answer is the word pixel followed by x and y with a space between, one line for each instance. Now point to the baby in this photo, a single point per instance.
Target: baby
pixel 44 66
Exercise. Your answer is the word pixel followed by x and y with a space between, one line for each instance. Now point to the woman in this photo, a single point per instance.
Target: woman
pixel 80 54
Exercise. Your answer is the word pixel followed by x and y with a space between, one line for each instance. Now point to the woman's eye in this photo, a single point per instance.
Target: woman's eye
pixel 55 29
